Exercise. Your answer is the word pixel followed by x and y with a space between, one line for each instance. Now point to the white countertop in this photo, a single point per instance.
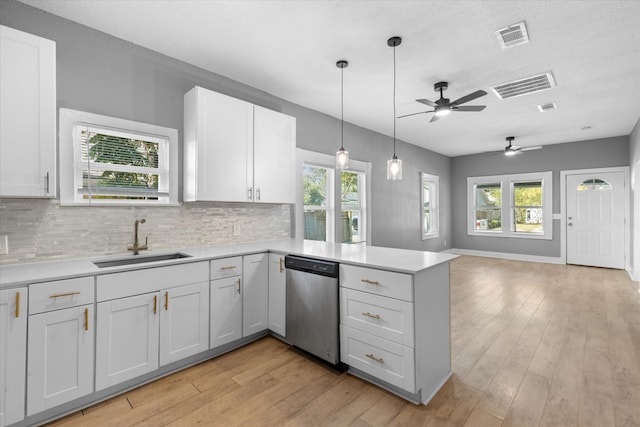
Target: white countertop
pixel 400 260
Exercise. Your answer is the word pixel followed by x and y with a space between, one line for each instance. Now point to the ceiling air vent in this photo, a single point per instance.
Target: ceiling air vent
pixel 543 108
pixel 513 35
pixel 525 86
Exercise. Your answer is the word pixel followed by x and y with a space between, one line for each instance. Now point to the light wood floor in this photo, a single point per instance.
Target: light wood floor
pixel 532 345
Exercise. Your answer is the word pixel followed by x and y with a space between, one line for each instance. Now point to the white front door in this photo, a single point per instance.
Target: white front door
pixel 595 219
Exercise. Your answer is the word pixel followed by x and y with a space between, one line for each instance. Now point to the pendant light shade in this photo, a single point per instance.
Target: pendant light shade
pixel 394 165
pixel 342 155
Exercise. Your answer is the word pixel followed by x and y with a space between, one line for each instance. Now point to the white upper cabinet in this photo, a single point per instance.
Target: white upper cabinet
pixel 27 115
pixel 235 151
pixel 274 156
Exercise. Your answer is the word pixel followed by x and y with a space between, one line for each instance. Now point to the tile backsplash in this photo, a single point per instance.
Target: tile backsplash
pixel 41 230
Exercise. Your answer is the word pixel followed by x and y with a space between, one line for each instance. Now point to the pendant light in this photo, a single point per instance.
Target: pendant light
pixel 394 165
pixel 342 155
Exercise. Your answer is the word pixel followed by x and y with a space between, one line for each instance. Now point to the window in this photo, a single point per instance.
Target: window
pixel 511 205
pixel 594 184
pixel 316 197
pixel 430 206
pixel 334 202
pixel 110 161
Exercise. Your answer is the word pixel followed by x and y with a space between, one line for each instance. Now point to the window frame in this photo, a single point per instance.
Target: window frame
pixel 70 156
pixel 508 205
pixel 334 223
pixel 434 208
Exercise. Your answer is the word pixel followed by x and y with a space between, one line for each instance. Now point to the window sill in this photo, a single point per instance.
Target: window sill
pixel 510 235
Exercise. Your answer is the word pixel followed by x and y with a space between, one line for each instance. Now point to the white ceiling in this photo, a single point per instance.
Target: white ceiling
pixel 289 49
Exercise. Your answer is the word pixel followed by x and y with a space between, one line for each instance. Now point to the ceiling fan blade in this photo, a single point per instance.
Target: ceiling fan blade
pixel 427 102
pixel 434 118
pixel 469 108
pixel 414 114
pixel 537 147
pixel 470 97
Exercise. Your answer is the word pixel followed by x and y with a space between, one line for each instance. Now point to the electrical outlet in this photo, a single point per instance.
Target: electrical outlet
pixel 4 244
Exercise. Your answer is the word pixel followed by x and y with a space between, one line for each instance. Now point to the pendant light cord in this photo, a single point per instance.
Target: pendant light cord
pixel 342 108
pixel 394 101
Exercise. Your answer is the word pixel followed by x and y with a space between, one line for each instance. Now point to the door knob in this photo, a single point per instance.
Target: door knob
pixel 570 218
pixel 570 224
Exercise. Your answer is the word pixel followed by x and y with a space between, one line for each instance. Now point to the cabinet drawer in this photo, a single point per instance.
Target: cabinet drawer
pixel 381 316
pixel 381 282
pixel 226 267
pixel 388 361
pixel 51 296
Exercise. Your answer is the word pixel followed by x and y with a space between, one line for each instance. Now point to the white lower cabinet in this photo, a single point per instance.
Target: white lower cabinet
pixel 60 358
pixel 184 322
pixel 127 338
pixel 13 354
pixel 226 310
pixel 277 294
pixel 255 295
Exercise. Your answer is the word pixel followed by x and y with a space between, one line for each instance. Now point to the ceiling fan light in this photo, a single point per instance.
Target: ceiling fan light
pixel 394 169
pixel 342 159
pixel 509 152
pixel 442 111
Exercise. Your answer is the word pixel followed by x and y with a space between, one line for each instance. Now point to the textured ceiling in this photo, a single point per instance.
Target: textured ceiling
pixel 289 49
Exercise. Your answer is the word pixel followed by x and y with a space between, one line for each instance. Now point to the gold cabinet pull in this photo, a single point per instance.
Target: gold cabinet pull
pixel 373 316
pixel 155 304
pixel 17 304
pixel 66 294
pixel 86 319
pixel 370 282
pixel 281 267
pixel 238 283
pixel 372 357
pixel 228 267
pixel 166 301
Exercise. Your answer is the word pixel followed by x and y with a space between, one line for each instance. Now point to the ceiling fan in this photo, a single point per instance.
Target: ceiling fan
pixel 511 149
pixel 443 106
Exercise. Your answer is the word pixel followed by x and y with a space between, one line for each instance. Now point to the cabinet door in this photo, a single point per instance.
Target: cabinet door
pixel 218 134
pixel 184 322
pixel 277 294
pixel 255 297
pixel 27 115
pixel 127 338
pixel 13 354
pixel 274 147
pixel 60 357
pixel 226 310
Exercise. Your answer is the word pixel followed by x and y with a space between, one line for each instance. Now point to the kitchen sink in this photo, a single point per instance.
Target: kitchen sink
pixel 135 259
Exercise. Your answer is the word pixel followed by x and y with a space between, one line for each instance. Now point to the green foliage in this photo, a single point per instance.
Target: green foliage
pixel 314 184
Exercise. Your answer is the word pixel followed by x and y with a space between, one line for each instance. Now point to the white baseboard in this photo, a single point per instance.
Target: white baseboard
pixel 506 255
pixel 634 275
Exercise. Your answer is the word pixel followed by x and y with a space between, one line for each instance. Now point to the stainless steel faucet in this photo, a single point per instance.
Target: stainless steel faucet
pixel 136 244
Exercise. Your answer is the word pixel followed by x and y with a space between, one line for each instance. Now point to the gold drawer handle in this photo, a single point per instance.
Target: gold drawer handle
pixel 17 304
pixel 281 269
pixel 86 319
pixel 66 294
pixel 166 301
pixel 370 282
pixel 228 267
pixel 372 357
pixel 373 316
pixel 155 304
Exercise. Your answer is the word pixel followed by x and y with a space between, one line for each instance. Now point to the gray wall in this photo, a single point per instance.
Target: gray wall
pixel 105 75
pixel 598 153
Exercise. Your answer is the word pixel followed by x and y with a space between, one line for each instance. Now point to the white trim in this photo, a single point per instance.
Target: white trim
pixel 627 210
pixel 69 118
pixel 510 256
pixel 506 204
pixel 329 161
pixel 435 180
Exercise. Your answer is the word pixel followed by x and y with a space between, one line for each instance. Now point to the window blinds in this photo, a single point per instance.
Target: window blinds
pixel 116 164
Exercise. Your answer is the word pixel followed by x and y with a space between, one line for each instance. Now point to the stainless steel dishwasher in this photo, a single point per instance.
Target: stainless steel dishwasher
pixel 312 314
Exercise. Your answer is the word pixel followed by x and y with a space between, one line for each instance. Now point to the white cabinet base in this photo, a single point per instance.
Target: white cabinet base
pixel 13 354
